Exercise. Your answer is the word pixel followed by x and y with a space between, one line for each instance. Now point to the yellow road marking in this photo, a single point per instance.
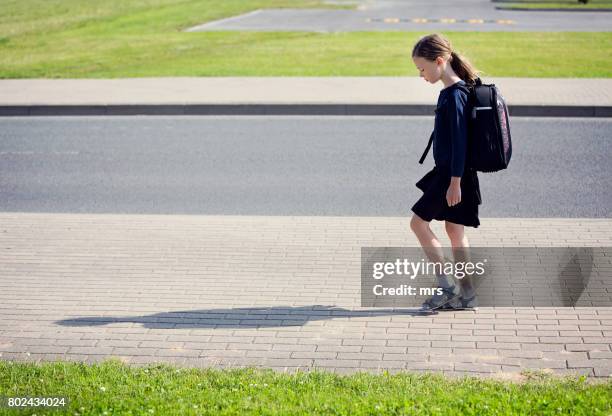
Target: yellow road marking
pixel 442 20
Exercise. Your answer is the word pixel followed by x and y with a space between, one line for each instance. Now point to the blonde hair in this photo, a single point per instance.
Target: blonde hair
pixel 432 46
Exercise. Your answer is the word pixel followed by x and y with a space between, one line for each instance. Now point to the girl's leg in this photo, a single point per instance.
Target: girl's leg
pixel 456 234
pixel 432 247
pixel 461 253
pixel 430 243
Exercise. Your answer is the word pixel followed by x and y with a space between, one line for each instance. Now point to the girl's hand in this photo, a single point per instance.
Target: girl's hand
pixel 453 193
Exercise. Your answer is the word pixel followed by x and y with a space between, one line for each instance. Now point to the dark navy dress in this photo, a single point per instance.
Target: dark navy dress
pixel 449 149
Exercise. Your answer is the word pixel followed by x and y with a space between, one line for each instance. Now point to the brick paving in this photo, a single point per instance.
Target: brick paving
pixel 273 292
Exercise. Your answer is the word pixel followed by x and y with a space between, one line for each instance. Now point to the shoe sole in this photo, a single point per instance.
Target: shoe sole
pixel 442 305
pixel 467 308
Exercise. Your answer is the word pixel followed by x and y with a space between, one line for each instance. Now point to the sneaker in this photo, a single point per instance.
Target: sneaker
pixel 469 303
pixel 450 294
pixel 462 303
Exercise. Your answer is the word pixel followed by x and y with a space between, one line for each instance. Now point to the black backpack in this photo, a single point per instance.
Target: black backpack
pixel 489 143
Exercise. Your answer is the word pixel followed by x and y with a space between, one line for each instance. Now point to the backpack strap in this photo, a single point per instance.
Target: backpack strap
pixel 427 149
pixel 468 90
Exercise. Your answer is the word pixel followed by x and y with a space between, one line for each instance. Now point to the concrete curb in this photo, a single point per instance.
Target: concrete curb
pixel 284 109
pixel 526 9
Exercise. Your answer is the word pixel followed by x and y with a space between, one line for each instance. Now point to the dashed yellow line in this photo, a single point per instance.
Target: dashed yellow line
pixel 442 20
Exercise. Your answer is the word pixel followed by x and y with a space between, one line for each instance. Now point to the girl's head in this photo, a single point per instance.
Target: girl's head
pixel 431 55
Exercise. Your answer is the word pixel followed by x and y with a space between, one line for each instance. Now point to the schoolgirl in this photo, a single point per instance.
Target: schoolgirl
pixel 451 191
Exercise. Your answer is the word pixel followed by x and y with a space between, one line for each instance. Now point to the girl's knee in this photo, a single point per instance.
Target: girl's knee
pixel 417 223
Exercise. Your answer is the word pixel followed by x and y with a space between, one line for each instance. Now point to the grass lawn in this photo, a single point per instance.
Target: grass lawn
pixel 114 388
pixel 144 38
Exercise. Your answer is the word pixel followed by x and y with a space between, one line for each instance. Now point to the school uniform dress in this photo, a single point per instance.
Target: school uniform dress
pixel 449 151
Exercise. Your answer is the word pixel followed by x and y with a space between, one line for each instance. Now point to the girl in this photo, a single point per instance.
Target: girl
pixel 451 191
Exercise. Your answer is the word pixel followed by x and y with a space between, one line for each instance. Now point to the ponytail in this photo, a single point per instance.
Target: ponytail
pixel 463 68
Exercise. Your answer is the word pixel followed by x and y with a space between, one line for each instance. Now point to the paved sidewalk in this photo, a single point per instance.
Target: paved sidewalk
pixel 567 97
pixel 275 292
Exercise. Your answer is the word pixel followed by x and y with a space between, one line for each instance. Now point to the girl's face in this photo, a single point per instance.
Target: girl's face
pixel 430 70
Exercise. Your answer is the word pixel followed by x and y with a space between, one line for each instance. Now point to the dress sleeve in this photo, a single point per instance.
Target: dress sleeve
pixel 458 130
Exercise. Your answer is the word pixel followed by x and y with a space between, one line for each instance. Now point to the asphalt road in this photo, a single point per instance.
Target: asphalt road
pixel 414 15
pixel 286 165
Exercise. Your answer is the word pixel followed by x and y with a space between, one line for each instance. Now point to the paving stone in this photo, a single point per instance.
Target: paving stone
pixel 539 363
pixel 369 364
pixel 336 363
pixel 432 365
pixel 477 367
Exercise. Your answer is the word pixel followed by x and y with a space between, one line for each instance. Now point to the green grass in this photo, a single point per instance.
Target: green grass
pixel 115 388
pixel 42 17
pixel 143 38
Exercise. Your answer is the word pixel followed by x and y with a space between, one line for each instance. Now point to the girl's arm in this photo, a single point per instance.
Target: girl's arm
pixel 458 126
